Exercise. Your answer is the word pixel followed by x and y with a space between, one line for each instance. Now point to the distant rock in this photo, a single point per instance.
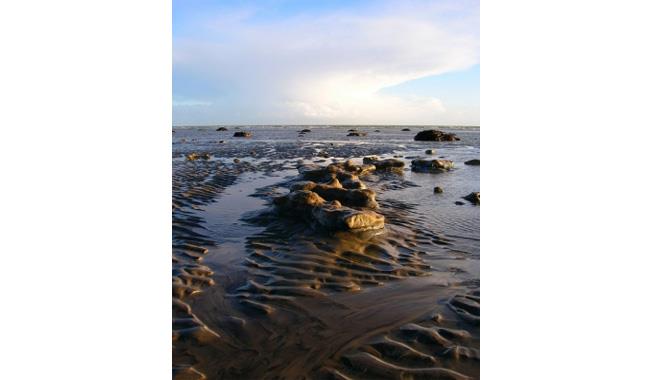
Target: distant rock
pixel 459 203
pixel 431 165
pixel 406 130
pixel 437 190
pixel 197 156
pixel 222 129
pixel 387 164
pixel 357 134
pixel 474 197
pixel 243 134
pixel 434 135
pixel 474 162
pixel 377 130
pixel 305 131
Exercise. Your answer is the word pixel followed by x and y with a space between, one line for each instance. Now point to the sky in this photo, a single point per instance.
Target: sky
pixel 325 62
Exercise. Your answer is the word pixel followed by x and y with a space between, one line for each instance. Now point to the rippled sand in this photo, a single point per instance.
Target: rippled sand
pixel 260 296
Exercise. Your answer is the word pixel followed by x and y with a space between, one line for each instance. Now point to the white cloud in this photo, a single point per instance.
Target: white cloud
pixel 328 69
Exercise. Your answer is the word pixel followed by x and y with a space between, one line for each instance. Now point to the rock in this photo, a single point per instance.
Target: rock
pixel 370 159
pixel 357 134
pixel 305 131
pixel 377 130
pixel 406 130
pixel 437 190
pixel 236 160
pixel 221 129
pixel 431 165
pixel 220 141
pixel 474 162
pixel 459 203
pixel 474 197
pixel 430 151
pixel 331 215
pixel 352 130
pixel 387 164
pixel 243 134
pixel 323 154
pixel 434 135
pixel 197 156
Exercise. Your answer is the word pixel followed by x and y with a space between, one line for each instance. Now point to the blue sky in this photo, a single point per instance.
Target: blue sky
pixel 325 62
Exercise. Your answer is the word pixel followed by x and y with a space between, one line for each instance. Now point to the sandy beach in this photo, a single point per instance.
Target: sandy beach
pixel 318 252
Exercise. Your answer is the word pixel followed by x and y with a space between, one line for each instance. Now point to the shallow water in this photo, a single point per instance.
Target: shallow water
pixel 260 296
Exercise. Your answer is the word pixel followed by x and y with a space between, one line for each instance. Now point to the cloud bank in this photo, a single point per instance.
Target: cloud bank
pixel 329 67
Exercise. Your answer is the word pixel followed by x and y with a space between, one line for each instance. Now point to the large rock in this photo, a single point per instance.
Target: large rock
pixel 431 165
pixel 434 135
pixel 334 191
pixel 243 134
pixel 331 215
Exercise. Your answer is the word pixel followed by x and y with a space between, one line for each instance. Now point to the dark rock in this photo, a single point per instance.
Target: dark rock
pixel 430 151
pixel 305 131
pixel 459 203
pixel 220 141
pixel 437 190
pixel 406 130
pixel 236 160
pixel 221 129
pixel 243 134
pixel 434 135
pixel 474 197
pixel 377 130
pixel 474 162
pixel 357 134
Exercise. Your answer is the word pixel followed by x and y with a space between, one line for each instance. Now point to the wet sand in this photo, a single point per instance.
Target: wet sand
pixel 260 295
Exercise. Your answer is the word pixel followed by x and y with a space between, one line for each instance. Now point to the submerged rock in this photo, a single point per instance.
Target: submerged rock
pixel 243 134
pixel 474 162
pixel 406 130
pixel 474 197
pixel 437 190
pixel 435 135
pixel 221 129
pixel 431 165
